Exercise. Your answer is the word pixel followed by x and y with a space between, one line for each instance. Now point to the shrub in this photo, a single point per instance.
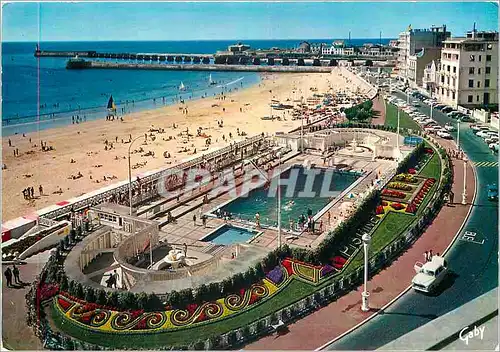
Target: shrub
pixel 231 338
pixel 101 297
pixel 199 345
pixel 90 295
pixel 245 332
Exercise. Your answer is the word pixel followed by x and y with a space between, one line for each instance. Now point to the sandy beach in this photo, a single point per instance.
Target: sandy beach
pixel 81 149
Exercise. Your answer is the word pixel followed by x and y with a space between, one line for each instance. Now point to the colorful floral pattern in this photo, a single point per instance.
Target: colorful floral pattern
pixel 105 319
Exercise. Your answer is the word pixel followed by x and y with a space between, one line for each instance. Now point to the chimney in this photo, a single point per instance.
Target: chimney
pixel 474 31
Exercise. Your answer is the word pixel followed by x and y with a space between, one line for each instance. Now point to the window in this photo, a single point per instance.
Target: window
pixel 488 70
pixel 447 92
pixel 472 58
pixel 487 83
pixel 442 91
pixel 479 84
pixel 453 95
pixel 454 82
pixel 442 79
pixel 477 97
pixel 479 58
pixel 454 69
pixel 479 71
pixel 456 56
pixel 471 83
pixel 448 68
pixel 469 98
pixel 471 70
pixel 488 58
pixel 448 80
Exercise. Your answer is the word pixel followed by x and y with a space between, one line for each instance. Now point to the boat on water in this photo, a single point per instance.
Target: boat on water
pixel 210 81
pixel 182 87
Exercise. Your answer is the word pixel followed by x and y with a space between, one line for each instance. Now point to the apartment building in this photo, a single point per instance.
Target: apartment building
pixel 429 79
pixel 412 41
pixel 469 70
pixel 418 62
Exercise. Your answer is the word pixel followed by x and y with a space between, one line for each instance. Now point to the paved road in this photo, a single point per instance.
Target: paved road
pixel 475 265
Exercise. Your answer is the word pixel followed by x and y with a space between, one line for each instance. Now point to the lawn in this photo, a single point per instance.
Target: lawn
pixel 405 121
pixel 295 291
pixel 432 168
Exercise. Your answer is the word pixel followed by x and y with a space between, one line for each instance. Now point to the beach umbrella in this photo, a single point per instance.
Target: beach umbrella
pixel 351 195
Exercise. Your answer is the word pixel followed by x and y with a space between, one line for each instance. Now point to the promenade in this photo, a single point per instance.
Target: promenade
pixel 335 319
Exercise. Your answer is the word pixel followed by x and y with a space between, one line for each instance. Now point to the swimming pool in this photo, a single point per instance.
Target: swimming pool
pixel 262 201
pixel 227 234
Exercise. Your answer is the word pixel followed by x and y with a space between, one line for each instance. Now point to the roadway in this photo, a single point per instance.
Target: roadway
pixel 475 265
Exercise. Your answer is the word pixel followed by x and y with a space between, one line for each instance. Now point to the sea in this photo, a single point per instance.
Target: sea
pixel 39 94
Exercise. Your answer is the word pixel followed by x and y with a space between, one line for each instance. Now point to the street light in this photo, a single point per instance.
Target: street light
pixel 130 176
pixel 464 192
pixel 397 138
pixel 365 294
pixel 432 108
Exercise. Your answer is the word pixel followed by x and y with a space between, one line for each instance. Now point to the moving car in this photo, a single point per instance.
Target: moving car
pixel 493 192
pixel 429 275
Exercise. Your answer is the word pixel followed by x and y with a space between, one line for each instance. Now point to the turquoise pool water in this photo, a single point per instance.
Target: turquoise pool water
pixel 228 234
pixel 261 201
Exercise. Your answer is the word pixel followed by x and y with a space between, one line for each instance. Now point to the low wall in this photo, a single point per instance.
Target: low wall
pixel 208 67
pixel 48 241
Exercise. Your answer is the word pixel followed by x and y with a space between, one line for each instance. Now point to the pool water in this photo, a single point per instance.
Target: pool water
pixel 264 202
pixel 228 234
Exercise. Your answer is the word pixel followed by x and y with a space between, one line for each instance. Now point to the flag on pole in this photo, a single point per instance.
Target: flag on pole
pixel 111 104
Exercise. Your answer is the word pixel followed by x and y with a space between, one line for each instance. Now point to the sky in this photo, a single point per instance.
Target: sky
pixel 100 21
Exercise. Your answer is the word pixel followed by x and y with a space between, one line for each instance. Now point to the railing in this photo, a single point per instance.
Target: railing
pixel 104 196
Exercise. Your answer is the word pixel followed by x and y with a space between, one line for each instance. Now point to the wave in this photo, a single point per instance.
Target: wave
pixel 230 83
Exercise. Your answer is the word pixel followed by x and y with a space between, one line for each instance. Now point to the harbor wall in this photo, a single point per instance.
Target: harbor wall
pixel 208 67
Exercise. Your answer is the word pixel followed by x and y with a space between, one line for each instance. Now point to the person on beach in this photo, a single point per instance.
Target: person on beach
pixel 40 190
pixel 194 219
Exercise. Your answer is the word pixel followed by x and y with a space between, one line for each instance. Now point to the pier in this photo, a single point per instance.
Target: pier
pixel 89 64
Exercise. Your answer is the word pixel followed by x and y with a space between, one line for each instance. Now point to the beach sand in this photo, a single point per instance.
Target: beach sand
pixel 84 142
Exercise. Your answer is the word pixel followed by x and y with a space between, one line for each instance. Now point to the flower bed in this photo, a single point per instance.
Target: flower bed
pixel 400 186
pixel 406 178
pixel 106 319
pixel 393 194
pixel 387 206
pixel 419 198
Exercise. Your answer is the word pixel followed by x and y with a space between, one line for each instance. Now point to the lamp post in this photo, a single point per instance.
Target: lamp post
pixel 302 127
pixel 432 108
pixel 279 200
pixel 397 138
pixel 130 176
pixel 458 135
pixel 365 294
pixel 464 192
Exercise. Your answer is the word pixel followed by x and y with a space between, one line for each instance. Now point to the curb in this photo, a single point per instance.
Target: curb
pixel 409 287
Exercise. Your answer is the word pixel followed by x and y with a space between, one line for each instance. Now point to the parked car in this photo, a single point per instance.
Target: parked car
pixel 444 135
pixel 449 127
pixel 447 109
pixel 491 140
pixel 494 147
pixel 493 192
pixel 429 275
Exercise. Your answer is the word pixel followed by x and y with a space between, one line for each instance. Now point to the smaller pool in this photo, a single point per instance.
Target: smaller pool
pixel 227 234
pixel 412 140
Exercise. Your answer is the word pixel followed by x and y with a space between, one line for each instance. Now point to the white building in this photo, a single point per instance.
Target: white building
pixel 418 62
pixel 413 41
pixel 469 70
pixel 429 80
pixel 337 48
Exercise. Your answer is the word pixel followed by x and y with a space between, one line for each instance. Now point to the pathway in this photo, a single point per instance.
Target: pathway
pixel 332 321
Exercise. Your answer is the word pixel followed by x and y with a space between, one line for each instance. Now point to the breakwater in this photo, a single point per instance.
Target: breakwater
pixel 209 67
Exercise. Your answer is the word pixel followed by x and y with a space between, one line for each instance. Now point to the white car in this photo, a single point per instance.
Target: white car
pixel 444 135
pixel 483 134
pixel 494 146
pixel 449 127
pixel 429 275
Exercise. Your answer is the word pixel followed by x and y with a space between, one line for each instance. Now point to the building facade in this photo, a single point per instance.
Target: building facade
pixel 469 70
pixel 418 62
pixel 413 41
pixel 429 79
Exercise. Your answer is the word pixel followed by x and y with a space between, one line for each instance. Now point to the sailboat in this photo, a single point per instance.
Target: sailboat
pixel 210 80
pixel 182 87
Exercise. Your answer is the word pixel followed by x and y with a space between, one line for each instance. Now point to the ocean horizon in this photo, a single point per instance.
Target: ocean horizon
pixel 66 93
